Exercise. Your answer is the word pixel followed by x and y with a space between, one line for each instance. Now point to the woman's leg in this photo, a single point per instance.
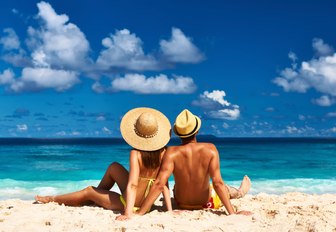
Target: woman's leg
pixel 115 173
pixel 101 197
pixel 243 189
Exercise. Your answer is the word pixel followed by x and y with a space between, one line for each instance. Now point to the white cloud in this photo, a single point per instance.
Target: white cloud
pixel 270 109
pixel 225 125
pixel 15 11
pixel 215 106
pixel 75 133
pixel 61 133
pixel 324 101
pixel 321 48
pixel 180 48
pixel 41 78
pixel 14 54
pixel 57 49
pixel 217 96
pixel 60 49
pixel 212 100
pixel 317 73
pixel 98 88
pixel 106 130
pixel 331 114
pixel 292 56
pixel 274 94
pixel 124 50
pixel 160 84
pixel 229 114
pixel 302 117
pixel 333 129
pixel 11 40
pixel 58 43
pixel 101 118
pixel 293 130
pixel 7 77
pixel 21 127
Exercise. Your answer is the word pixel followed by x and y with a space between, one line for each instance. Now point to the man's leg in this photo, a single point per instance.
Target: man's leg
pixel 243 189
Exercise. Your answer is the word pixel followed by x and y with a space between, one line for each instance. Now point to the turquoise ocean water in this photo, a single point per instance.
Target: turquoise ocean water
pixel 47 166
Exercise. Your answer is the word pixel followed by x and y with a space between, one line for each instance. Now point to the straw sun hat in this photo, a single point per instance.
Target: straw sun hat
pixel 186 124
pixel 145 129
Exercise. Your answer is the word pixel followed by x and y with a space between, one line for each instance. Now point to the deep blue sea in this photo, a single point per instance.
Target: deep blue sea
pixel 275 165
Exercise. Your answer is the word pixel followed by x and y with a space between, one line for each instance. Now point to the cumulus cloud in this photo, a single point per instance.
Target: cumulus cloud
pixel 14 54
pixel 21 127
pixel 7 77
pixel 216 107
pixel 292 56
pixel 321 48
pixel 318 73
pixel 124 50
pixel 59 50
pixel 179 48
pixel 331 114
pixel 160 84
pixel 59 43
pixel 324 101
pixel 41 78
pixel 10 41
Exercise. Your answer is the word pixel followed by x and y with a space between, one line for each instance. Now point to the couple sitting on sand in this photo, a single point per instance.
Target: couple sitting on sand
pixel 151 163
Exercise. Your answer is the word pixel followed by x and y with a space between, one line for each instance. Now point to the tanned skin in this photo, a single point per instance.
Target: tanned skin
pixel 192 164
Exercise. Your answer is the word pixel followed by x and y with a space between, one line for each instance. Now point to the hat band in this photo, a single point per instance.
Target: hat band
pixel 145 136
pixel 192 132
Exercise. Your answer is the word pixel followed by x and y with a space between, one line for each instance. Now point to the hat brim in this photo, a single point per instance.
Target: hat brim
pixel 145 144
pixel 199 123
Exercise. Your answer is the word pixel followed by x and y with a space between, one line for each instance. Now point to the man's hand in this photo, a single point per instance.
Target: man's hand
pixel 244 212
pixel 122 217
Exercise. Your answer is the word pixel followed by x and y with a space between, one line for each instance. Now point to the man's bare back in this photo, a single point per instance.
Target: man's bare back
pixel 191 172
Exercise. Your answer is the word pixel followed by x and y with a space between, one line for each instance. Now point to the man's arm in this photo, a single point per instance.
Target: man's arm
pixel 165 171
pixel 218 182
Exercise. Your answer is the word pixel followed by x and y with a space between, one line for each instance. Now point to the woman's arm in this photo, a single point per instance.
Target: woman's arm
pixel 166 196
pixel 132 185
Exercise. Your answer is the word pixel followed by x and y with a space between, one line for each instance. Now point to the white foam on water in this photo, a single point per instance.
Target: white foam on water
pixel 26 190
pixel 305 185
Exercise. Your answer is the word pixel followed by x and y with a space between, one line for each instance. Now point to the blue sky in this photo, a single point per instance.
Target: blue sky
pixel 261 68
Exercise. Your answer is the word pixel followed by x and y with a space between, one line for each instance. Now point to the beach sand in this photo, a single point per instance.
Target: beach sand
pixel 288 212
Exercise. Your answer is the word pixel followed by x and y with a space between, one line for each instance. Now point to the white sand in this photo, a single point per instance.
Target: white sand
pixel 288 212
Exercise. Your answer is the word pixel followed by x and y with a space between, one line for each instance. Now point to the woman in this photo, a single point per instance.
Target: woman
pixel 148 132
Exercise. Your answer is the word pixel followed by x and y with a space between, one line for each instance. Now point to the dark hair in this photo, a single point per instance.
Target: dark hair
pixel 151 159
pixel 188 139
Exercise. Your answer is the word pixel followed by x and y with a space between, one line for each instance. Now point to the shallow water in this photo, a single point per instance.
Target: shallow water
pixel 30 167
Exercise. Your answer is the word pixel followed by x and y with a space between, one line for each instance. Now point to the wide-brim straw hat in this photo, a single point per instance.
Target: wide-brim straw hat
pixel 187 124
pixel 145 129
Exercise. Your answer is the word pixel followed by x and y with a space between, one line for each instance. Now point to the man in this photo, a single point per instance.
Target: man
pixel 193 164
